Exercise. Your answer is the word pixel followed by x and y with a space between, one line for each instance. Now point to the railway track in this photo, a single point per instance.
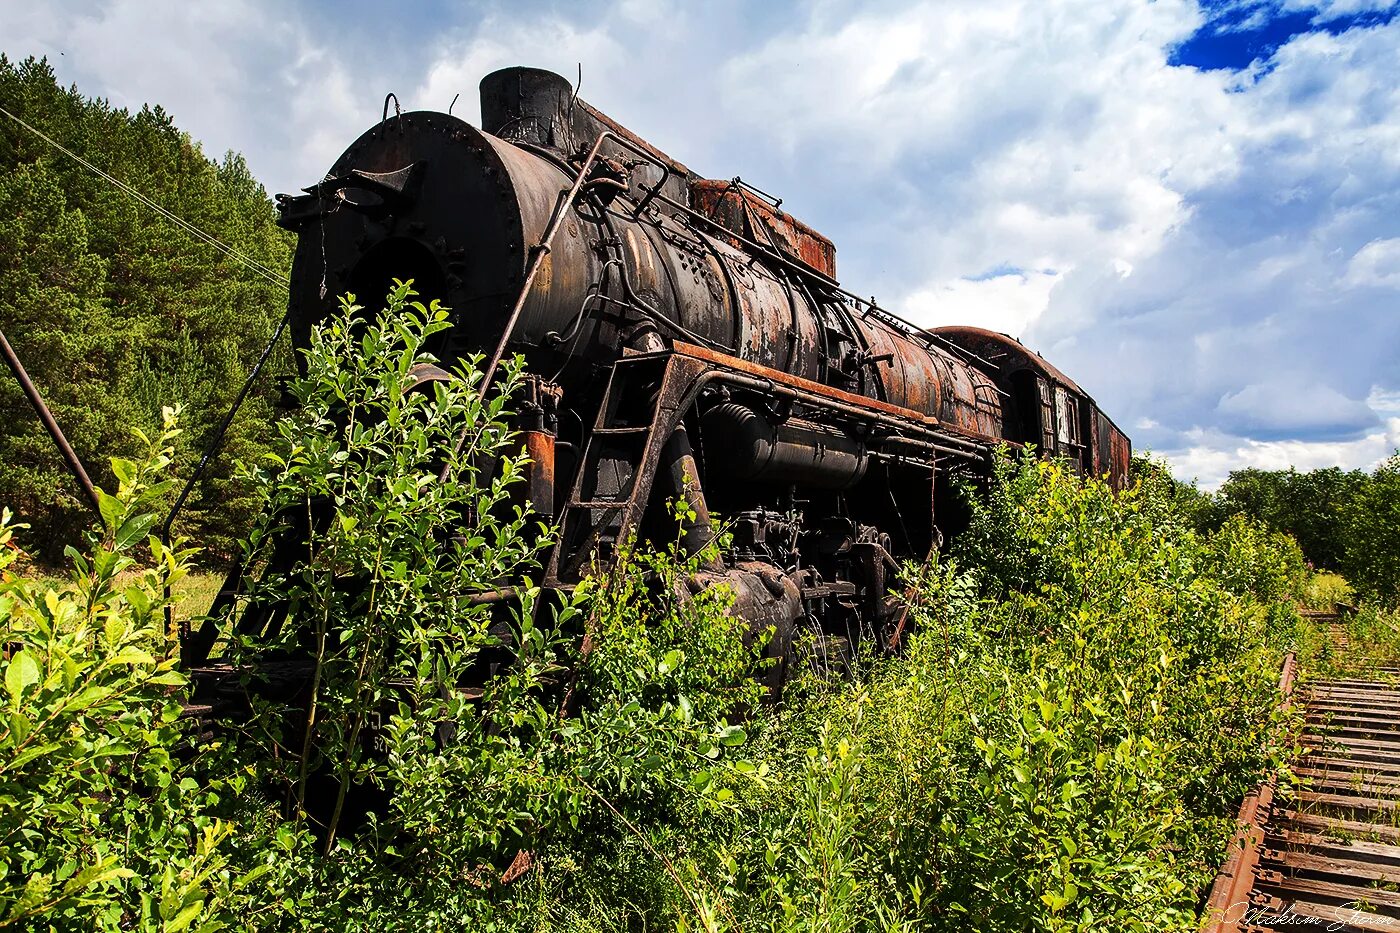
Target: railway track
pixel 1322 850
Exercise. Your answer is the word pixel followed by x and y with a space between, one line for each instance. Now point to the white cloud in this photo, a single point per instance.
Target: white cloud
pixel 1034 134
pixel 1285 406
pixel 246 75
pixel 1333 9
pixel 1377 263
pixel 1174 239
pixel 1005 303
pixel 1209 458
pixel 458 66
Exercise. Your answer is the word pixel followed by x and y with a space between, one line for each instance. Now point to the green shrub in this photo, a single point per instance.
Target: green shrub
pixel 1092 689
pixel 1325 591
pixel 105 823
pixel 476 760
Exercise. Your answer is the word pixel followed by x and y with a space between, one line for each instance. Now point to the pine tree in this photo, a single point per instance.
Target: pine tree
pixel 117 311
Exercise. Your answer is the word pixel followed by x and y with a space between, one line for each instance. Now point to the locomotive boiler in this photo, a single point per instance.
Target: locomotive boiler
pixel 685 337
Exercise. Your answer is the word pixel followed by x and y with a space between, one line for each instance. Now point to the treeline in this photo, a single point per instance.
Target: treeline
pixel 1345 521
pixel 116 311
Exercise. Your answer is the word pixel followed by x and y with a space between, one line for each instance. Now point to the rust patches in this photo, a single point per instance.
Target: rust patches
pixel 836 395
pixel 544 277
pixel 539 447
pixel 740 210
pixel 1120 455
pixel 1229 896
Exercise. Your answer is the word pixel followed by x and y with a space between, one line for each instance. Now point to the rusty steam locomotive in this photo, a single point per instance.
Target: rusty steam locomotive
pixel 701 345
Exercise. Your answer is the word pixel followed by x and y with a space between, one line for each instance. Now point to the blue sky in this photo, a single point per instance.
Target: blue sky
pixel 1194 209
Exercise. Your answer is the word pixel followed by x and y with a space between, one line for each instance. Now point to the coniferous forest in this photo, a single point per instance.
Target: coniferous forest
pixel 116 312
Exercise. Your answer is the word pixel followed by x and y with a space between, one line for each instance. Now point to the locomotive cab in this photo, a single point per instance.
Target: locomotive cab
pixel 1046 409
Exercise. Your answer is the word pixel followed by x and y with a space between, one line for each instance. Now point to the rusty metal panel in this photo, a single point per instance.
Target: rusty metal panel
pixel 742 211
pixel 773 320
pixel 1120 458
pixel 848 399
pixel 540 108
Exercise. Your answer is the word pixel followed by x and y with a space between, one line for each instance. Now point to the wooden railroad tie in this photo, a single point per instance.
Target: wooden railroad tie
pixel 1323 851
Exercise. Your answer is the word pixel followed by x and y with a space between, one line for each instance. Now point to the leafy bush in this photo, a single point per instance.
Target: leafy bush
pixel 123 818
pixel 1063 745
pixel 1324 591
pixel 1345 522
pixel 1309 506
pixel 105 824
pixel 476 764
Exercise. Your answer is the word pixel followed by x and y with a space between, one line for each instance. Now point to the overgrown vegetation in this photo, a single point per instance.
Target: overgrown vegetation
pixel 1346 522
pixel 101 824
pixel 1089 690
pixel 116 312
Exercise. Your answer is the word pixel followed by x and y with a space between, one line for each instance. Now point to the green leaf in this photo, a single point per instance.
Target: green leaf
pixel 733 735
pixel 134 529
pixel 124 470
pixel 20 727
pixel 185 918
pixel 95 874
pixel 22 671
pixel 112 510
pixel 132 655
pixel 29 754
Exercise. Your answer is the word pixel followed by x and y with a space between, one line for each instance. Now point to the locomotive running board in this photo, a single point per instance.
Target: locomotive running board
pixel 975 442
pixel 648 395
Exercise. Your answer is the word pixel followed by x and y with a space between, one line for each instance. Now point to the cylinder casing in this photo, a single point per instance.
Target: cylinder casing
pixel 746 445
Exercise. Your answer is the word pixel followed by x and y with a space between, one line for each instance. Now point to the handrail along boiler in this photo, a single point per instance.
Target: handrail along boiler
pixel 684 337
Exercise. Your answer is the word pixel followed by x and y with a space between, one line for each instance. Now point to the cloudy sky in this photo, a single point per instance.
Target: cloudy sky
pixel 1191 207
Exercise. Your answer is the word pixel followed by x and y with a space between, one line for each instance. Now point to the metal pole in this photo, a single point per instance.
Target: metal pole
pixel 75 465
pixel 223 427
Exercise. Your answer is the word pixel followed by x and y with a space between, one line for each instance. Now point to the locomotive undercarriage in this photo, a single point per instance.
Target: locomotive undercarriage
pixel 819 497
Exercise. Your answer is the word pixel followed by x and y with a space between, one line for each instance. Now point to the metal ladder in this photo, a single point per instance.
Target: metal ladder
pixel 641 406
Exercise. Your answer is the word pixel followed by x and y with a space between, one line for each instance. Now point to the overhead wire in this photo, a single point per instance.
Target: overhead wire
pixel 203 236
pixel 208 238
